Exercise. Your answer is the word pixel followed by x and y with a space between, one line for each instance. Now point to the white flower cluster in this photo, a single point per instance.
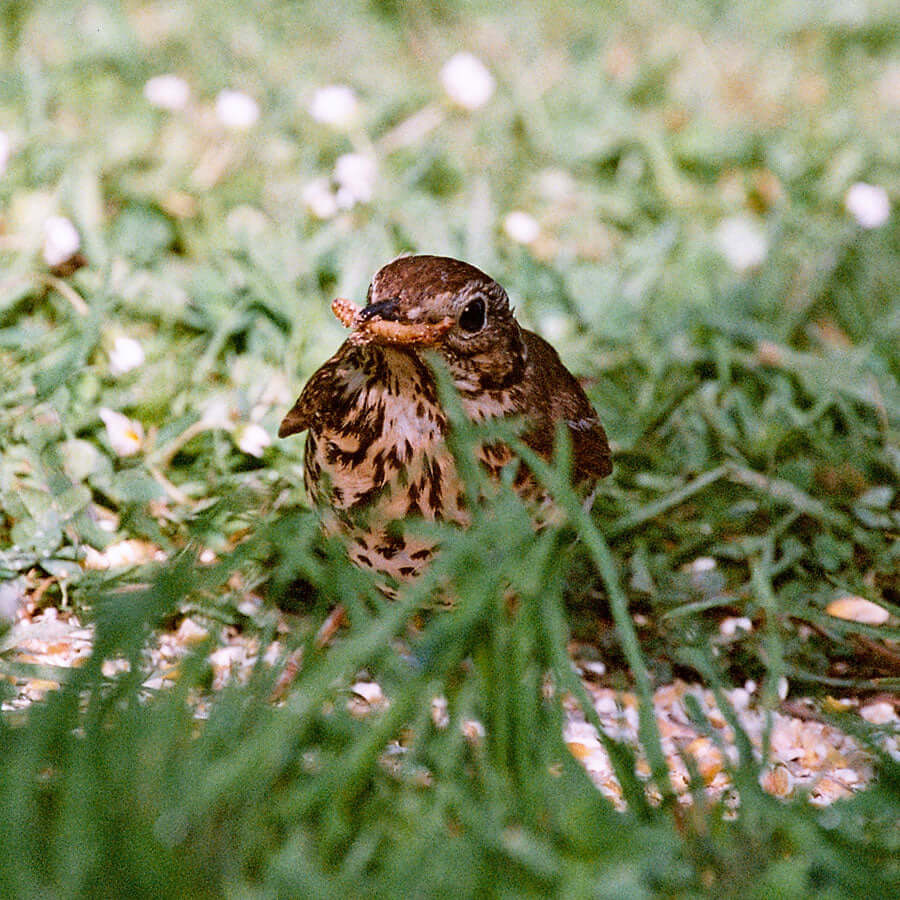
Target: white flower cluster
pixel 167 92
pixel 126 354
pixel 236 110
pixel 355 176
pixel 468 84
pixel 335 105
pixel 351 183
pixel 467 81
pixel 252 439
pixel 61 241
pixel 521 227
pixel 868 204
pixel 742 241
pixel 125 436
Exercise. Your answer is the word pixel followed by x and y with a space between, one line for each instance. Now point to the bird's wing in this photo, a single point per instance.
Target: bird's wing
pixel 562 399
pixel 590 449
pixel 316 400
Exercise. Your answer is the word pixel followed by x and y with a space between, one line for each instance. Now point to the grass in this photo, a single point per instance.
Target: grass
pixel 754 415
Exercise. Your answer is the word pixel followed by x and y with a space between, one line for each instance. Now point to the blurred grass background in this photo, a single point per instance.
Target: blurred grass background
pixel 691 249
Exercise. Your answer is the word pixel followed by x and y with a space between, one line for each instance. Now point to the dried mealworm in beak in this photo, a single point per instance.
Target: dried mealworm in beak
pixel 390 332
pixel 387 331
pixel 345 311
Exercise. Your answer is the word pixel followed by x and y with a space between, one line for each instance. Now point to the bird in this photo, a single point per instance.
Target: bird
pixel 376 454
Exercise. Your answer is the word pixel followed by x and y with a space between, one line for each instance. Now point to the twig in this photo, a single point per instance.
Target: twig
pixel 329 627
pixel 163 458
pixel 174 492
pixel 64 290
pixel 874 648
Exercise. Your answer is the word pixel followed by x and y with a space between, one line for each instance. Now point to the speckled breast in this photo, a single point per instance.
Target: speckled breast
pixel 383 462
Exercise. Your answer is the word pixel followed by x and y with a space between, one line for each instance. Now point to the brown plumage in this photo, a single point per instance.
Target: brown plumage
pixel 375 451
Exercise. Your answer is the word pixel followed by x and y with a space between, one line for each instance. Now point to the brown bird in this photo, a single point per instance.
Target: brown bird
pixel 375 453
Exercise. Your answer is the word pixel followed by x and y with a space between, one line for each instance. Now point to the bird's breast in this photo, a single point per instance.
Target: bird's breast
pixel 384 449
pixel 379 459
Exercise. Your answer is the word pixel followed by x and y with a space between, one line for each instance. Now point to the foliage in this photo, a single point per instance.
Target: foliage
pixel 754 414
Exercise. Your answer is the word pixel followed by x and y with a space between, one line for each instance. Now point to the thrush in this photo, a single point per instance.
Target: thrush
pixel 376 454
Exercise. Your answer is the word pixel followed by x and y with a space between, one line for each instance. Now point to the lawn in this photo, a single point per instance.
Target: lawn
pixel 697 208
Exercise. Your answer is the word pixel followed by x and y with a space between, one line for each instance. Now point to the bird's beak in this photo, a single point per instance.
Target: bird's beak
pixel 385 310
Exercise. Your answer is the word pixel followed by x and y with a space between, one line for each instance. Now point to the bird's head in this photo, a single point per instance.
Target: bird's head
pixel 442 304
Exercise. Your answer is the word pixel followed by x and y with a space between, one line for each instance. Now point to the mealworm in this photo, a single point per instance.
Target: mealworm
pixel 388 331
pixel 345 311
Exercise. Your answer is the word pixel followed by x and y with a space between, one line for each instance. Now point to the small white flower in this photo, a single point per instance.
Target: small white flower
pixel 61 241
pixel 236 110
pixel 335 105
pixel 467 81
pixel 167 92
pixel 320 199
pixel 868 204
pixel 355 176
pixel 126 436
pixel 742 242
pixel 345 198
pixel 249 606
pixel 108 524
pixel 253 439
pixel 521 227
pixel 5 151
pixel 126 354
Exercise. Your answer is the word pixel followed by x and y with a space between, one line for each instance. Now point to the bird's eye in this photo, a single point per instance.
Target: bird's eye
pixel 472 318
